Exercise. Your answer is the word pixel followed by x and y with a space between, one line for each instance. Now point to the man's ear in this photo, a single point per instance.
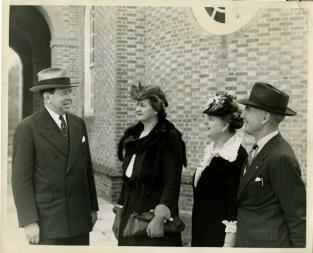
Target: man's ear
pixel 266 118
pixel 46 96
pixel 225 127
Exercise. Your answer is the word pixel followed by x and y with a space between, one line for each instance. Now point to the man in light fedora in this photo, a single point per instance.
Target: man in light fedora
pixel 271 194
pixel 52 176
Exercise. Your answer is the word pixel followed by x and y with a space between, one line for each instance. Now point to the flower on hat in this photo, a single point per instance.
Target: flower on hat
pixel 218 101
pixel 221 104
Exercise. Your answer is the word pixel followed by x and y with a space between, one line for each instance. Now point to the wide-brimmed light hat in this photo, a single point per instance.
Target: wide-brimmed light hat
pixel 268 98
pixel 53 78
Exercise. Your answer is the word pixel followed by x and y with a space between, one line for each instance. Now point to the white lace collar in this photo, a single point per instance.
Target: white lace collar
pixel 229 151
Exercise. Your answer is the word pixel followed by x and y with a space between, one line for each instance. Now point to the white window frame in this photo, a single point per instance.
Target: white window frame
pixel 89 64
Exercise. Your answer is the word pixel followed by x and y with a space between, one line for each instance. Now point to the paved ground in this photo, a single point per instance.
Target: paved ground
pixel 102 234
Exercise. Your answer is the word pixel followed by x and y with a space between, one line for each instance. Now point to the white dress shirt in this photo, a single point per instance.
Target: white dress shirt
pixel 261 143
pixel 56 116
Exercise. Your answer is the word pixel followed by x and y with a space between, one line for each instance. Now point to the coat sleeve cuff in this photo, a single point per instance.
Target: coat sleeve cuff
pixel 231 226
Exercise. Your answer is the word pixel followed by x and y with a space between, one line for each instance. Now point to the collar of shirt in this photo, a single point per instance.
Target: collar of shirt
pixel 261 143
pixel 55 117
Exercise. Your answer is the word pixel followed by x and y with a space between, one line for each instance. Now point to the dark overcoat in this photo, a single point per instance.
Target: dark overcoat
pixel 156 177
pixel 215 200
pixel 272 199
pixel 52 178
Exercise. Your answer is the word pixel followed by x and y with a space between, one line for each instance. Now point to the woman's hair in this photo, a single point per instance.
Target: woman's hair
pixel 158 105
pixel 234 119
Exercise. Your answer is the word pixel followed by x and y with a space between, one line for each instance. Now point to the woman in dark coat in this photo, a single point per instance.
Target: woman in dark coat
pixel 153 155
pixel 216 180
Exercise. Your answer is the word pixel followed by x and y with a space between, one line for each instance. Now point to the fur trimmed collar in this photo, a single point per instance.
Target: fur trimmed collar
pixel 130 142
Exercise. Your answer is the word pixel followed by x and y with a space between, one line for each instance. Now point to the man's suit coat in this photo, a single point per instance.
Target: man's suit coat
pixel 272 199
pixel 52 179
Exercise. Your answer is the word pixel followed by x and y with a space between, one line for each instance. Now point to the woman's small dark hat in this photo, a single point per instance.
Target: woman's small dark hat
pixel 141 92
pixel 221 104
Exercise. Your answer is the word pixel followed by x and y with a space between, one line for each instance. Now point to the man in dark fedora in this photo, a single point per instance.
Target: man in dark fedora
pixel 271 194
pixel 52 176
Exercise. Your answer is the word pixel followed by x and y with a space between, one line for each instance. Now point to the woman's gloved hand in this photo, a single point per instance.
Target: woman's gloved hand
pixel 155 228
pixel 117 220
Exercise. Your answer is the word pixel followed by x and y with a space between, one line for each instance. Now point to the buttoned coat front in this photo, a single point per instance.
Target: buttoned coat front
pixel 52 178
pixel 272 199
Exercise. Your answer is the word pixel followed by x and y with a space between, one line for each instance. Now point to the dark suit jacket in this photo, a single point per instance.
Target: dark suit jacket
pixel 272 199
pixel 53 182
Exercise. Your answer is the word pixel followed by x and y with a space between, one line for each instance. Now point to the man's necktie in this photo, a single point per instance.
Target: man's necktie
pixel 64 129
pixel 252 153
pixel 251 156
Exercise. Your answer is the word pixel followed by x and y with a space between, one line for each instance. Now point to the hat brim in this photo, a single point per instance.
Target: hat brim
pixel 288 112
pixel 51 86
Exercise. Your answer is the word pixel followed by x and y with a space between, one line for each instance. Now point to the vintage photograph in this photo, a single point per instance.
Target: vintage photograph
pixel 157 125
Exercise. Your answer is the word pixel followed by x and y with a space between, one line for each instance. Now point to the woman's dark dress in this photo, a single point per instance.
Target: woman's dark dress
pixel 156 177
pixel 215 200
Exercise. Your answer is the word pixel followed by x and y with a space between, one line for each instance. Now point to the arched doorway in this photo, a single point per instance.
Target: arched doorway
pixel 15 89
pixel 29 37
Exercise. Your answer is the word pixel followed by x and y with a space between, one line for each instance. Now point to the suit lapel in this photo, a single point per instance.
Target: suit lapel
pixel 257 164
pixel 50 130
pixel 75 135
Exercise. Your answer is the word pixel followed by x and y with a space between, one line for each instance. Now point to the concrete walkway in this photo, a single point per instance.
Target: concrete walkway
pixel 101 235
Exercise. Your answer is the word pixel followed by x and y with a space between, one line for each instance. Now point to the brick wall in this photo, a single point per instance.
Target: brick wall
pixel 68 53
pixel 102 125
pixel 165 46
pixel 190 66
pixel 119 62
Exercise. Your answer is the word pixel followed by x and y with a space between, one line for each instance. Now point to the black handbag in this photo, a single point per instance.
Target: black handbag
pixel 137 224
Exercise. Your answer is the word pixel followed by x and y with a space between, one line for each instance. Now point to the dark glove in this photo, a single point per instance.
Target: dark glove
pixel 117 221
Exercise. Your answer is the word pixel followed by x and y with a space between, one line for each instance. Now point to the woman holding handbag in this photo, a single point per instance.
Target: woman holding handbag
pixel 216 180
pixel 153 155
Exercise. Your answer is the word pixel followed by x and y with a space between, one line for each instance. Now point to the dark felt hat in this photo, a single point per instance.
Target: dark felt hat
pixel 53 78
pixel 266 97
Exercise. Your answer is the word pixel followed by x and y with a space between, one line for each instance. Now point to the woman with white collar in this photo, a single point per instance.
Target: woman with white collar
pixel 216 180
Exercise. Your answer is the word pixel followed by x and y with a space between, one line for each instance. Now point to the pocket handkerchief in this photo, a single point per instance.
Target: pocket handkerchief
pixel 83 139
pixel 257 179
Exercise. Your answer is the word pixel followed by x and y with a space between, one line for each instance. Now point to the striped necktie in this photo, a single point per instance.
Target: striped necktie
pixel 251 156
pixel 64 129
pixel 252 153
